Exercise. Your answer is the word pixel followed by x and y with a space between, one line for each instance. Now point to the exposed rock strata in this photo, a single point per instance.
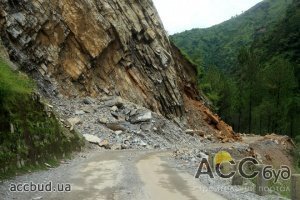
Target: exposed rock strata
pixel 90 47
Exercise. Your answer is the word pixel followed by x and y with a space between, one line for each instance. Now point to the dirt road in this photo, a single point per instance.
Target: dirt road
pixel 114 175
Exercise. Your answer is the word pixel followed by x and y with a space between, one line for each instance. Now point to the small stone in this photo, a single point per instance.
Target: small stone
pixel 133 112
pixel 92 139
pixel 37 198
pixel 88 110
pixel 190 132
pixel 115 115
pixel 74 121
pixel 103 120
pixel 88 100
pixel 79 112
pixel 194 132
pixel 114 109
pixel 209 137
pixel 126 142
pixel 126 111
pixel 146 126
pixel 115 126
pixel 47 165
pixel 202 155
pixel 118 132
pixel 116 147
pixel 20 18
pixel 142 143
pixel 124 146
pixel 106 91
pixel 143 117
pixel 105 144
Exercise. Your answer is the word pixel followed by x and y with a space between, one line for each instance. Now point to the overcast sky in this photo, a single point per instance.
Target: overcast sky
pixel 180 15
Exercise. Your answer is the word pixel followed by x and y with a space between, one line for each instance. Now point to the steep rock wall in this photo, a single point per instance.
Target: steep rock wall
pixel 86 47
pixel 90 47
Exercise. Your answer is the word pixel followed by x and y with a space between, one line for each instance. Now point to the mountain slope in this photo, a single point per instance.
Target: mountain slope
pixel 283 40
pixel 219 44
pixel 104 48
pixel 93 47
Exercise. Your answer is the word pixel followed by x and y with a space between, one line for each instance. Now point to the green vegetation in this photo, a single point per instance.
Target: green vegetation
pixel 29 133
pixel 251 67
pixel 219 45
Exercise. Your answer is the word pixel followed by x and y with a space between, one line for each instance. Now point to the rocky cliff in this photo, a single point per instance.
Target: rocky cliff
pixel 112 47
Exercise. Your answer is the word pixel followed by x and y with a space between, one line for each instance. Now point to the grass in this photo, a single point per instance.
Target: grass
pixel 13 82
pixel 37 137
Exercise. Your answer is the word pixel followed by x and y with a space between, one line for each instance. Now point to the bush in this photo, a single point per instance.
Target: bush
pixel 29 133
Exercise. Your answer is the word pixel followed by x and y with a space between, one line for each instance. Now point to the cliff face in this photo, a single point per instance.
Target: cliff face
pixel 90 47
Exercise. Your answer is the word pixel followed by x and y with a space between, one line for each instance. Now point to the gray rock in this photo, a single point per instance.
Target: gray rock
pixel 73 121
pixel 14 31
pixel 106 91
pixel 105 144
pixel 202 155
pixel 194 132
pixel 20 18
pixel 103 120
pixel 88 100
pixel 142 143
pixel 143 117
pixel 125 146
pixel 116 147
pixel 114 109
pixel 116 126
pixel 113 102
pixel 79 112
pixel 118 132
pixel 88 109
pixel 92 139
pixel 133 112
pixel 146 126
pixel 126 111
pixel 115 115
pixel 37 198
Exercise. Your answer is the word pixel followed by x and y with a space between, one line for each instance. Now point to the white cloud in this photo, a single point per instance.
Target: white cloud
pixel 180 15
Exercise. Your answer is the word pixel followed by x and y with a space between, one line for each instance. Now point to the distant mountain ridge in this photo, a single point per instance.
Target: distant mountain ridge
pixel 218 45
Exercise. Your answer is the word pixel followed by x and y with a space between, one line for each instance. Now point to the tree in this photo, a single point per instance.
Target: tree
pixel 248 79
pixel 280 82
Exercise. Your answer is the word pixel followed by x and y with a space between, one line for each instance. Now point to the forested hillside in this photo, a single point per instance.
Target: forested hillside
pixel 260 92
pixel 219 44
